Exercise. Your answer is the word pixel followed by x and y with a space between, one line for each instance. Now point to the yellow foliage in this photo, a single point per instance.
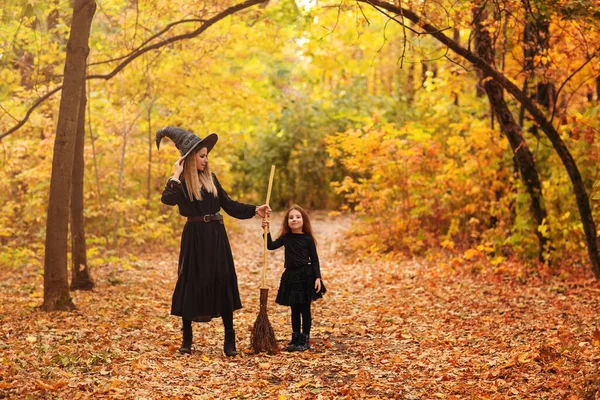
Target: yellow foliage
pixel 469 254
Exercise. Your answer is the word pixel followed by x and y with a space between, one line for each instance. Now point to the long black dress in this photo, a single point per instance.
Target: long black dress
pixel 206 284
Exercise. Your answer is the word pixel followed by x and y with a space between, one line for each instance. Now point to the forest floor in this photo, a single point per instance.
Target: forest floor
pixel 385 329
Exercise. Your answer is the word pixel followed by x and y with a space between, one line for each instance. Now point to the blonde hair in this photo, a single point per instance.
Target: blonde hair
pixel 196 180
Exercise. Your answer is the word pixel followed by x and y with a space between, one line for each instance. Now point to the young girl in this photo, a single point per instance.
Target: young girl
pixel 301 280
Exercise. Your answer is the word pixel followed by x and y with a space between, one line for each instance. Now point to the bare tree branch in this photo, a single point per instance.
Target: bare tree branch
pixel 30 110
pixel 374 5
pixel 568 79
pixel 339 7
pixel 456 62
pixel 8 113
pixel 151 38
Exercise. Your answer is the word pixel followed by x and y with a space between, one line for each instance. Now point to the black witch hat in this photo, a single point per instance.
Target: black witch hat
pixel 184 140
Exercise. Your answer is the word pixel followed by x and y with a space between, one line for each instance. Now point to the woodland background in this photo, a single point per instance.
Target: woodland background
pixel 361 110
pixel 357 115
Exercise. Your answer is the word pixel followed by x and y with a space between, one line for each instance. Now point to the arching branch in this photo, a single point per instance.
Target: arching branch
pixel 150 39
pixel 35 105
pixel 568 79
pixel 136 53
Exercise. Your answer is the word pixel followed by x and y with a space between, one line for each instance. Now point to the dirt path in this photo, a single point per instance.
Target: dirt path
pixel 385 330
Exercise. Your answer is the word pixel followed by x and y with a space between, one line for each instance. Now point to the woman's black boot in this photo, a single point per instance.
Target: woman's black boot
pixel 229 346
pixel 293 345
pixel 186 343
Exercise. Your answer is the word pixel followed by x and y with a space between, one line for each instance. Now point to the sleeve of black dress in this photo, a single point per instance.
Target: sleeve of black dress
pixel 172 193
pixel 314 258
pixel 232 207
pixel 273 245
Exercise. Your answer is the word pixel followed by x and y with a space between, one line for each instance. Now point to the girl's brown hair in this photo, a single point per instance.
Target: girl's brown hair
pixel 196 180
pixel 306 227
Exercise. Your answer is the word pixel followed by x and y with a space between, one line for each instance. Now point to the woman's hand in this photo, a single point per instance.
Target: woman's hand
pixel 317 285
pixel 179 168
pixel 265 224
pixel 263 210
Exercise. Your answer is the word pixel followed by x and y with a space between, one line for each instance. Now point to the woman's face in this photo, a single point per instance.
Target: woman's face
pixel 201 159
pixel 295 221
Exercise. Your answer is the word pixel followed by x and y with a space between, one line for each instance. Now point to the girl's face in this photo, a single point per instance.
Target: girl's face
pixel 295 221
pixel 201 159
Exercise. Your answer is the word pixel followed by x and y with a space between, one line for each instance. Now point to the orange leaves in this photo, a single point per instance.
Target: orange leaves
pixel 390 329
pixel 469 254
pixel 51 386
pixel 415 183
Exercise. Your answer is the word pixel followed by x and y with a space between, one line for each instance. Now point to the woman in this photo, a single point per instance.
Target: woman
pixel 206 284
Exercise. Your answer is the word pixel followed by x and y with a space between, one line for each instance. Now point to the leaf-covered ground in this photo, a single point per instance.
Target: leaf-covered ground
pixel 409 330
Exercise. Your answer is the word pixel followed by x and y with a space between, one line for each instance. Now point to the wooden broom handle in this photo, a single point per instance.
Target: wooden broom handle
pixel 266 218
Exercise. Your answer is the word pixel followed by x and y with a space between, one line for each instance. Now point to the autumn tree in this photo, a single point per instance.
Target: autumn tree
pixel 56 287
pixel 508 125
pixel 538 116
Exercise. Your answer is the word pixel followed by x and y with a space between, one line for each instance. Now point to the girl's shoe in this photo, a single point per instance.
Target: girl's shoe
pixel 293 345
pixel 304 343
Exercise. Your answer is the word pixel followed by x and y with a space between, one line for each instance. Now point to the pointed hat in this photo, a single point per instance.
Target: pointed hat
pixel 184 140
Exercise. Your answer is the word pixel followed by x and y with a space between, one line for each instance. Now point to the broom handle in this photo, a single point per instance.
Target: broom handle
pixel 266 218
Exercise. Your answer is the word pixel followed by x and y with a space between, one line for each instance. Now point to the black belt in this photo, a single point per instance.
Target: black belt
pixel 206 218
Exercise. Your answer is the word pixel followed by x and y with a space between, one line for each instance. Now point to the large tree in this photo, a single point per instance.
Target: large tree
pixel 509 127
pixel 56 283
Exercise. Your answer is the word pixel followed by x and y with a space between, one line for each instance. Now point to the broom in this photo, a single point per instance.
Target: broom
pixel 262 338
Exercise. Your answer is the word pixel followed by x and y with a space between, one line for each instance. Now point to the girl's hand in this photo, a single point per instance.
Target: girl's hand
pixel 317 285
pixel 263 210
pixel 179 167
pixel 265 224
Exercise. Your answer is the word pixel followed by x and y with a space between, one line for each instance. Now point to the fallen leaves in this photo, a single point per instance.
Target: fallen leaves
pixel 387 329
pixel 43 385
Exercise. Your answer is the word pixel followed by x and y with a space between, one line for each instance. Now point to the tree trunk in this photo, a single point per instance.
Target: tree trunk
pixel 150 143
pixel 56 283
pixel 117 214
pixel 598 88
pixel 510 128
pixel 528 66
pixel 96 172
pixel 425 69
pixel 561 149
pixel 80 273
pixel 479 90
pixel 545 94
pixel 410 85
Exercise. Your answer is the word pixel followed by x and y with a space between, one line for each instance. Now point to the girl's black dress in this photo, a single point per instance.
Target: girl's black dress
pixel 206 284
pixel 297 285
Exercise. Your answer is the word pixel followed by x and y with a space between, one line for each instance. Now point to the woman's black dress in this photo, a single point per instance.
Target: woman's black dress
pixel 206 284
pixel 297 285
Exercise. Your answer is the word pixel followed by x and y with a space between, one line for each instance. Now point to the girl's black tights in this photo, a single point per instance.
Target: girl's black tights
pixel 304 311
pixel 227 321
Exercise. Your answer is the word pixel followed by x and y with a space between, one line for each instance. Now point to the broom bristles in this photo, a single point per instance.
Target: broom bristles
pixel 262 338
